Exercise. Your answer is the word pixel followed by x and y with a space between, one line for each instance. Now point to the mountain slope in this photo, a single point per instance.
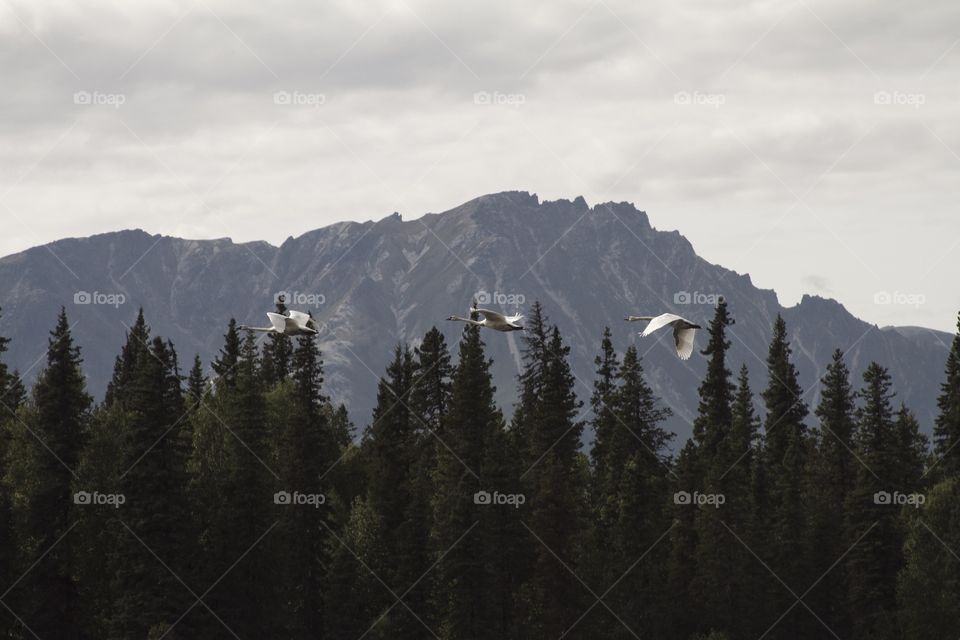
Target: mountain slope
pixel 372 284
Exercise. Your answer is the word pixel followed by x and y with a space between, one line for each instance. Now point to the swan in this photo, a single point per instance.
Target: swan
pixel 683 330
pixel 297 323
pixel 493 320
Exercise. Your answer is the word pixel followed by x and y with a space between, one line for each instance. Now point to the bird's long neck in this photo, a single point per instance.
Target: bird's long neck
pixel 635 318
pixel 467 320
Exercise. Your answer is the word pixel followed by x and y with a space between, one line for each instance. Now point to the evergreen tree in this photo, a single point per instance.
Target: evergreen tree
pixel 430 403
pixel 740 511
pixel 303 455
pixel 641 519
pixel 716 391
pixel 42 456
pixel 928 586
pixel 9 403
pixel 607 462
pixel 946 433
pixel 718 587
pixel 474 543
pixel 153 482
pixel 392 446
pixel 431 392
pixel 834 474
pixel 786 455
pixel 99 531
pixel 137 344
pixel 15 394
pixel 553 431
pixel 873 562
pixel 233 483
pixel 354 595
pixel 225 364
pixel 277 353
pixel 196 382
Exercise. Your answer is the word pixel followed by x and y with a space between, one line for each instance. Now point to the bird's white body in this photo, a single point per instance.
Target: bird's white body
pixel 683 330
pixel 493 320
pixel 295 323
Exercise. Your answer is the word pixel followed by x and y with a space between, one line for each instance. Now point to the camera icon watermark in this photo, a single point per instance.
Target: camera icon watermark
pixel 496 98
pixel 299 99
pixel 699 98
pixel 299 298
pixel 95 498
pixel 915 300
pixel 298 499
pixel 496 498
pixel 98 298
pixel 499 298
pixel 98 99
pixel 697 499
pixel 697 297
pixel 899 499
pixel 899 98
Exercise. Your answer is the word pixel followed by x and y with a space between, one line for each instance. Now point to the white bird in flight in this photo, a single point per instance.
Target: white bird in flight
pixel 493 320
pixel 683 330
pixel 296 323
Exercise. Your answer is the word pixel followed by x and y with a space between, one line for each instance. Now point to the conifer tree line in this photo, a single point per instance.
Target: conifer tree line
pixel 244 504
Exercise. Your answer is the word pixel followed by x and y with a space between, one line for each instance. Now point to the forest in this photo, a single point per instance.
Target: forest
pixel 245 504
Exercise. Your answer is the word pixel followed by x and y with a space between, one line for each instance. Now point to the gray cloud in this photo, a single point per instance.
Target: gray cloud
pixel 781 102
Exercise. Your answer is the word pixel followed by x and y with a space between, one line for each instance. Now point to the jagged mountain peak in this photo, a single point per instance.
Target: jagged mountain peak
pixel 374 283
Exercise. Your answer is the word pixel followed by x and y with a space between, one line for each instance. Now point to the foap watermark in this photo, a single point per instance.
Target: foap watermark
pixel 99 99
pixel 299 99
pixel 697 297
pixel 899 298
pixel 898 499
pixel 497 498
pixel 96 498
pixel 499 297
pixel 97 297
pixel 299 499
pixel 715 100
pixel 299 298
pixel 900 99
pixel 485 98
pixel 698 499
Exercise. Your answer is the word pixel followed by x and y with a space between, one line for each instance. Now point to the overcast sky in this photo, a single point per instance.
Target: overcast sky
pixel 812 144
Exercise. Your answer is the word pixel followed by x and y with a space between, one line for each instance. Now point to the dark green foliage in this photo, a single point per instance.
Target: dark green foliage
pixel 946 433
pixel 884 443
pixel 225 365
pixel 196 383
pixel 928 587
pixel 474 544
pixel 42 457
pixel 786 456
pixel 551 431
pixel 834 473
pixel 277 353
pixel 156 514
pixel 404 543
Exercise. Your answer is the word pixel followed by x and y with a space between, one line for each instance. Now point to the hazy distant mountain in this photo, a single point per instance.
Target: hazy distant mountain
pixel 372 284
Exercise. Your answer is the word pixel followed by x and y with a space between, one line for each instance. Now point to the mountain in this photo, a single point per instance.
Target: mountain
pixel 372 284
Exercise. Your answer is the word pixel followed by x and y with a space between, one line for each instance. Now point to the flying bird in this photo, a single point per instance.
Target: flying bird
pixel 493 320
pixel 683 330
pixel 296 323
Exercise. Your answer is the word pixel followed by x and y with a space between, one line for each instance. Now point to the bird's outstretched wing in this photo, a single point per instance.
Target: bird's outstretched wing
pixel 660 322
pixel 684 340
pixel 278 321
pixel 299 316
pixel 491 316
